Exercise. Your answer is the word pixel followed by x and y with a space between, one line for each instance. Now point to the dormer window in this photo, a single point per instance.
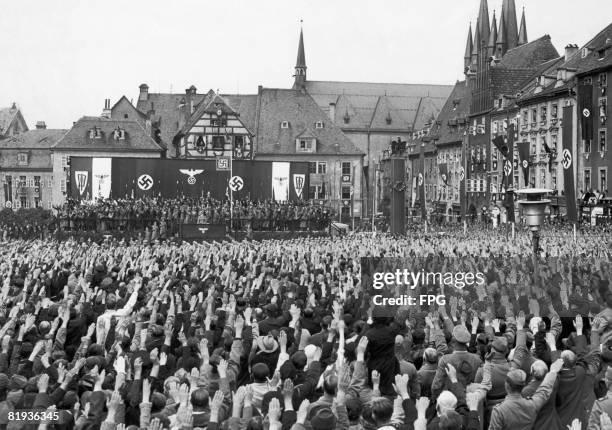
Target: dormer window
pixel 306 145
pixel 388 118
pixel 319 124
pixel 285 124
pixel 585 52
pixel 22 159
pixel 95 133
pixel 119 134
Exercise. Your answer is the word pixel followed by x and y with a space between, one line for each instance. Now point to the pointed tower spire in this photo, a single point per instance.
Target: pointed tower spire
pixel 510 24
pixel 484 26
pixel 522 37
pixel 492 37
pixel 500 44
pixel 475 46
pixel 300 64
pixel 467 57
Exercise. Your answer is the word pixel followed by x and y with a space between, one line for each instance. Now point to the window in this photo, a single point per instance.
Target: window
pixel 218 122
pixel 23 202
pixel 119 134
pixel 603 109
pixel 587 179
pixel 602 140
pixel 554 142
pixel 543 114
pixel 553 177
pixel 587 146
pixel 494 127
pixel 22 159
pixel 587 81
pixel 554 112
pixel 322 167
pixel 305 145
pixel 125 116
pixel 603 80
pixel 533 146
pixel 534 116
pixel 312 167
pixel 603 179
pixel 22 181
pixel 317 192
pixel 239 142
pixel 319 124
pixel 346 192
pixel 95 133
pixel 285 124
pixel 500 103
pixel 346 168
pixel 218 142
pixel 525 116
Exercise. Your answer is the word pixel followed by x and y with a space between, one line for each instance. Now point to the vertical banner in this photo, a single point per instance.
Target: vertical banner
pixel 81 177
pixel 509 203
pixel 280 181
pixel 398 195
pixel 298 186
pixel 585 107
pixel 101 170
pixel 568 162
pixel 8 191
pixel 523 150
pixel 421 181
pixel 462 177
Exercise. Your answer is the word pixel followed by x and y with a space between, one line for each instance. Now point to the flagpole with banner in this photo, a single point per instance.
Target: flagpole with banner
pixel 462 179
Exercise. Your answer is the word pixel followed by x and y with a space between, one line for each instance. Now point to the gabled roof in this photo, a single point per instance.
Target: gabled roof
pixel 529 55
pixel 456 108
pixel 592 62
pixel 140 114
pixel 33 139
pixel 302 112
pixel 242 105
pixel 363 99
pixel 7 116
pixel 136 138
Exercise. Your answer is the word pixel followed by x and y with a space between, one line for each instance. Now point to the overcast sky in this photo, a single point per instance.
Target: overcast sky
pixel 61 58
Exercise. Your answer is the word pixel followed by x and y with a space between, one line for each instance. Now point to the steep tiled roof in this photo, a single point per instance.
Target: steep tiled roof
pixel 243 105
pixel 302 113
pixel 529 55
pixel 7 116
pixel 33 139
pixel 363 97
pixel 509 81
pixel 603 40
pixel 136 138
pixel 456 109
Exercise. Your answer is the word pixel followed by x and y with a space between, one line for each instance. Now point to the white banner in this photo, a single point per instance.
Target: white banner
pixel 101 177
pixel 280 181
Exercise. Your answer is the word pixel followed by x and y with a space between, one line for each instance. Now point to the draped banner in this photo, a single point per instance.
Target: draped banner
pixel 568 163
pixel 169 178
pixel 523 150
pixel 280 181
pixel 101 170
pixel 585 110
pixel 421 182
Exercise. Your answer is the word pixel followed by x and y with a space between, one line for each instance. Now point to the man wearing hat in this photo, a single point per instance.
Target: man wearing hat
pixel 465 362
pixel 517 412
pixel 603 405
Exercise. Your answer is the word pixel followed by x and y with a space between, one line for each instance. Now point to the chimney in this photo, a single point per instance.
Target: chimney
pixel 332 111
pixel 144 92
pixel 40 125
pixel 570 50
pixel 106 113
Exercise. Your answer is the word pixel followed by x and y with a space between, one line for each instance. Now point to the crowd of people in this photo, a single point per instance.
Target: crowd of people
pixel 284 334
pixel 164 216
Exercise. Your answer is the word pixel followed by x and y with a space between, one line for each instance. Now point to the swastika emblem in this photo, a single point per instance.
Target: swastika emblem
pixel 567 159
pixel 586 113
pixel 462 174
pixel 508 168
pixel 145 182
pixel 236 183
pixel 525 164
pixel 420 179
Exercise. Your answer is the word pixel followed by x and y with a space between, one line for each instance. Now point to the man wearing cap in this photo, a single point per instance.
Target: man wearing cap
pixel 465 362
pixel 517 412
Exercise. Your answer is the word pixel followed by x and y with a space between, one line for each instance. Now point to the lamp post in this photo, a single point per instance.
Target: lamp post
pixel 534 207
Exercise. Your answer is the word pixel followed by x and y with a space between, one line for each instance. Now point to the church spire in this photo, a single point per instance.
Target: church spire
pixel 510 24
pixel 492 38
pixel 300 64
pixel 500 45
pixel 467 57
pixel 483 23
pixel 475 46
pixel 522 37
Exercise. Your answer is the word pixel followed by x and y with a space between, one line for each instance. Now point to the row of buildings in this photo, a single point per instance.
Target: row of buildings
pixel 346 130
pixel 340 128
pixel 513 84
